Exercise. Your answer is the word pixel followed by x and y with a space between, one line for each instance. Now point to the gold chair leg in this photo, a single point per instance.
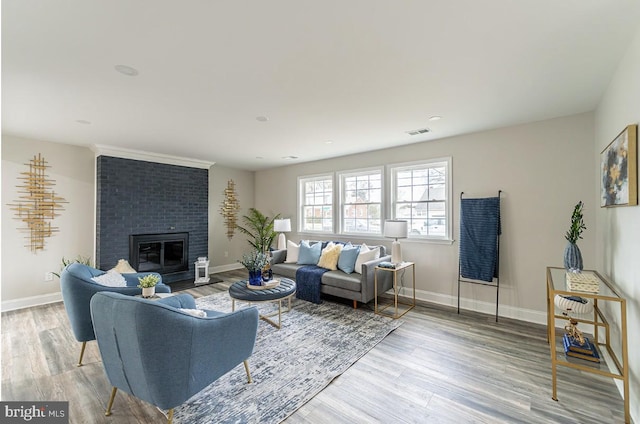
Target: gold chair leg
pixel 246 368
pixel 110 404
pixel 84 345
pixel 170 416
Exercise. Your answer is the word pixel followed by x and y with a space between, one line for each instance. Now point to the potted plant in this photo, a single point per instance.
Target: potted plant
pixel 148 285
pixel 259 228
pixel 255 262
pixel 572 255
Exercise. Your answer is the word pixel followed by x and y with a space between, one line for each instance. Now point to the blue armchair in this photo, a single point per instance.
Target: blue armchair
pixel 78 288
pixel 160 354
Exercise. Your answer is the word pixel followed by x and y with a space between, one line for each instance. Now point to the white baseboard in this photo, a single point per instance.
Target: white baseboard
pixel 522 314
pixel 26 302
pixel 223 268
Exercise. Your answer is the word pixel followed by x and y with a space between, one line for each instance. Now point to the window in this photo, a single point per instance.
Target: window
pixel 316 204
pixel 361 202
pixel 421 195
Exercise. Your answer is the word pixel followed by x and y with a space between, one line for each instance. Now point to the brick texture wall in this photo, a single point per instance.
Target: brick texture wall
pixel 138 197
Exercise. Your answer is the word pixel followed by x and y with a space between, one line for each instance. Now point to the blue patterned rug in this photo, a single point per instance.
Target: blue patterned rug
pixel 289 366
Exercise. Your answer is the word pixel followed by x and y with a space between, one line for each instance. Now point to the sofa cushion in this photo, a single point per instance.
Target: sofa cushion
pixel 309 255
pixel 286 270
pixel 329 256
pixel 366 255
pixel 341 280
pixel 293 251
pixel 348 257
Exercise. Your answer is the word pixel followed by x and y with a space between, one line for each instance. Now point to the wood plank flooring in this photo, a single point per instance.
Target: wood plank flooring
pixel 438 367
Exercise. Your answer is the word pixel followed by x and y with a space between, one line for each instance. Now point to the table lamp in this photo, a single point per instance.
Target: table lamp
pixel 282 226
pixel 395 228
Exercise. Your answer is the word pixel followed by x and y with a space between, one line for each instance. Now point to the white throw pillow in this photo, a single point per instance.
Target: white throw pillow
pixel 292 252
pixel 194 312
pixel 366 255
pixel 111 279
pixel 123 267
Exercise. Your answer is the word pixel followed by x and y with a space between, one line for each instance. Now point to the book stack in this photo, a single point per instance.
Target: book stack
pixel 574 349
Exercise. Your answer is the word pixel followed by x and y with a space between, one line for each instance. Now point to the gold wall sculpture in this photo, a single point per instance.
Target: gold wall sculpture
pixel 230 208
pixel 37 204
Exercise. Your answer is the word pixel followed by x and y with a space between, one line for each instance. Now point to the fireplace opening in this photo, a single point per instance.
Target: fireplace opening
pixel 162 253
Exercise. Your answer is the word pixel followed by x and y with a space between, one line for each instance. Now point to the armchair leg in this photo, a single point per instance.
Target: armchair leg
pixel 246 368
pixel 170 416
pixel 110 404
pixel 355 304
pixel 84 345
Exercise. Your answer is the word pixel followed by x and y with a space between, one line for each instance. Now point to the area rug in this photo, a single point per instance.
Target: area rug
pixel 289 366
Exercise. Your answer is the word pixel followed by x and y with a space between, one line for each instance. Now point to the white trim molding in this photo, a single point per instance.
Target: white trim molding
pixel 489 308
pixel 121 152
pixel 27 302
pixel 223 268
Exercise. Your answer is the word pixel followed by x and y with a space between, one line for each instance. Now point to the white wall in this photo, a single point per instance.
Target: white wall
pixel 618 235
pixel 543 168
pixel 219 244
pixel 72 168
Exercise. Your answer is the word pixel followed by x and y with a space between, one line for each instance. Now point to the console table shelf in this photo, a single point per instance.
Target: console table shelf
pixel 606 294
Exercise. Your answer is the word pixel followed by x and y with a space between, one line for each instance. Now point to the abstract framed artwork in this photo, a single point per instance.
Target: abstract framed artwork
pixel 619 171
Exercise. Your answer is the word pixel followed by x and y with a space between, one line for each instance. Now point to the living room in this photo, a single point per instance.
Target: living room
pixel 543 164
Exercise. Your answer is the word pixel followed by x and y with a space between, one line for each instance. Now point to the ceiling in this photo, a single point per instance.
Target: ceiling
pixel 331 77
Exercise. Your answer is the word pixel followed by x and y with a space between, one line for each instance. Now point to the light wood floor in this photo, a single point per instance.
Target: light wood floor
pixel 438 367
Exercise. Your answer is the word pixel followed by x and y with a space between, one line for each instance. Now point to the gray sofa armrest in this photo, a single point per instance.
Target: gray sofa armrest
pixel 278 256
pixel 368 278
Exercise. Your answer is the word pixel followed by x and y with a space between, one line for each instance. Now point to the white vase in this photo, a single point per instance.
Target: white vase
pixel 148 291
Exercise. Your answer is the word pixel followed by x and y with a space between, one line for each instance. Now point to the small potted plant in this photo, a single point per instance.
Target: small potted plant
pixel 572 255
pixel 255 262
pixel 148 285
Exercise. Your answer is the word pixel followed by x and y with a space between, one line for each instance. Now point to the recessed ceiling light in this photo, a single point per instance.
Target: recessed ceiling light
pixel 290 157
pixel 328 142
pixel 126 70
pixel 435 118
pixel 83 121
pixel 418 131
pixel 262 118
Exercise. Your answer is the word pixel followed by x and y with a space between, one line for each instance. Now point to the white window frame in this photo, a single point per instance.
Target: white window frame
pixel 301 201
pixel 340 177
pixel 392 171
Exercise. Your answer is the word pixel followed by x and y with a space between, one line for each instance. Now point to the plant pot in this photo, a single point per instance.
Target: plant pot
pixel 148 291
pixel 572 258
pixel 255 278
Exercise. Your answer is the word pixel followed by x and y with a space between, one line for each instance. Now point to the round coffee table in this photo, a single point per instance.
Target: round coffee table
pixel 284 291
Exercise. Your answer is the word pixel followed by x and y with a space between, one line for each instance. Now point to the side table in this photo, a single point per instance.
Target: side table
pixel 399 308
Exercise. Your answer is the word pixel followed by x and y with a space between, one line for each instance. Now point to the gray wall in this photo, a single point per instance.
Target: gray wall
pixel 543 168
pixel 618 235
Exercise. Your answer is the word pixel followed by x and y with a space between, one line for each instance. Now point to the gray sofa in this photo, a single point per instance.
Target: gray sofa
pixel 354 286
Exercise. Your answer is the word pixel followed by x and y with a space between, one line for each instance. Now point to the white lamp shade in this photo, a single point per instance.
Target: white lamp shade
pixel 282 225
pixel 395 228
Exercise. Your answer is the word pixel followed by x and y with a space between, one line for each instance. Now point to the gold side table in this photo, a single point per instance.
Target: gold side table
pixel 399 308
pixel 606 293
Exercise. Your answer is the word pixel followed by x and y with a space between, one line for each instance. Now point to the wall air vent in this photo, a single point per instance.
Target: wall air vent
pixel 420 131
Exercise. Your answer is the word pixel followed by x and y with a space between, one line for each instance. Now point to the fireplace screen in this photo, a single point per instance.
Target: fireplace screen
pixel 162 253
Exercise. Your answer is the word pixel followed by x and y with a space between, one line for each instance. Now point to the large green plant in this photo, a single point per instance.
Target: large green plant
pixel 259 228
pixel 79 259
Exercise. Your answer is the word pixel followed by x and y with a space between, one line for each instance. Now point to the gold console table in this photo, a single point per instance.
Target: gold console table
pixel 556 284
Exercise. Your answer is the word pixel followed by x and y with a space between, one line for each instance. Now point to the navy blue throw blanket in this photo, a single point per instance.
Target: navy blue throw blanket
pixel 479 231
pixel 308 280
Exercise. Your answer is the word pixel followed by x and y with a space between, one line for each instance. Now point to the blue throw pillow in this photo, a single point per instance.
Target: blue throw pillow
pixel 348 257
pixel 309 255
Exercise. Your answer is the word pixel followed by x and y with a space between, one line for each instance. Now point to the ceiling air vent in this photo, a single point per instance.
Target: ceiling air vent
pixel 420 131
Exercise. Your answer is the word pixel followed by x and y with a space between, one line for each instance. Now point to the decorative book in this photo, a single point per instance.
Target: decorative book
pixel 575 346
pixel 585 282
pixel 592 356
